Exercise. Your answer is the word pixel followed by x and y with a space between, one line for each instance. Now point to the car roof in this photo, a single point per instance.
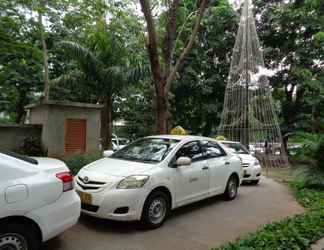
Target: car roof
pixel 182 137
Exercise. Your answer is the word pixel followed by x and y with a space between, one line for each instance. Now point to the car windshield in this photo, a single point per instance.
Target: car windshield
pixel 19 157
pixel 147 150
pixel 236 148
pixel 123 141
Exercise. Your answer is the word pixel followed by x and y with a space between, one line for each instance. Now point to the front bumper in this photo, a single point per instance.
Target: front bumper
pixel 115 204
pixel 252 173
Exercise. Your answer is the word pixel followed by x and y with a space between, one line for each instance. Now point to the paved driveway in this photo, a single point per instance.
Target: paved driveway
pixel 199 226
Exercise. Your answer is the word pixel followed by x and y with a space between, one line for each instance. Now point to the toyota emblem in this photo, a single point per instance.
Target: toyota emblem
pixel 86 179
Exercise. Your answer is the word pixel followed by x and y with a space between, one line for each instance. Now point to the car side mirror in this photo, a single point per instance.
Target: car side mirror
pixel 108 153
pixel 183 161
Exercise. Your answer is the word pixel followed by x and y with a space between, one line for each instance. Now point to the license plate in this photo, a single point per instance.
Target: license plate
pixel 85 197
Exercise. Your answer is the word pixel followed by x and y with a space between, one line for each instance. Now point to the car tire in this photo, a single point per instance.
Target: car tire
pixel 19 236
pixel 231 188
pixel 155 210
pixel 255 182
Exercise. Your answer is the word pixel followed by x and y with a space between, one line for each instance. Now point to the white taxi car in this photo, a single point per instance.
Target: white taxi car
pixel 37 201
pixel 151 176
pixel 251 165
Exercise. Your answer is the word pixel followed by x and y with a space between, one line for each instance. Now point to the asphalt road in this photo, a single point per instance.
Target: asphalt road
pixel 202 225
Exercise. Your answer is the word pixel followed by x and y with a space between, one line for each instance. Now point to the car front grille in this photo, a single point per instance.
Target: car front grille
pixel 245 165
pixel 90 184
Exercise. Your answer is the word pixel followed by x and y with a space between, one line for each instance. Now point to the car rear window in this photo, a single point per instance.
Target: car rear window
pixel 20 157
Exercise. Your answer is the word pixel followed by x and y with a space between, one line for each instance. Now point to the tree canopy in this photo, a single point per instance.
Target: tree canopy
pixel 93 46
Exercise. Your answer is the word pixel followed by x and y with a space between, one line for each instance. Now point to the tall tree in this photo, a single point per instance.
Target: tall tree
pixel 163 66
pixel 103 70
pixel 198 94
pixel 42 5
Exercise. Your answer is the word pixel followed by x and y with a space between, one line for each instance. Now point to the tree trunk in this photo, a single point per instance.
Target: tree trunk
pixel 106 123
pixel 20 108
pixel 45 53
pixel 161 109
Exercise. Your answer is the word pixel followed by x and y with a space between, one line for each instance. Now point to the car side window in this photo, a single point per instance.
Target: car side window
pixel 192 150
pixel 213 150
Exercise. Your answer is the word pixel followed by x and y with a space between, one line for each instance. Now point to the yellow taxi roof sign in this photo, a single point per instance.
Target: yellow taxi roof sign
pixel 220 138
pixel 178 130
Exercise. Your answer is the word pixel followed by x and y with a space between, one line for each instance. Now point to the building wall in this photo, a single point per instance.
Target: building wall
pixel 53 119
pixel 11 136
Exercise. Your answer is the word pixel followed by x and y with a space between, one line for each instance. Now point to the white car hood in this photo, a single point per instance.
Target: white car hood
pixel 247 158
pixel 117 167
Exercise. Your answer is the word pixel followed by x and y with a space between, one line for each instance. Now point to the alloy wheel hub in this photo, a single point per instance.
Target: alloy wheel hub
pixel 13 242
pixel 157 211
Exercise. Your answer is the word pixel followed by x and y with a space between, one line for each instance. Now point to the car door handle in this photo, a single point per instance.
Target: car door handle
pixel 227 163
pixel 205 168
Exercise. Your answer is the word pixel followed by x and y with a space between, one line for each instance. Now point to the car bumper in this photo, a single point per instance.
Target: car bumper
pixel 116 204
pixel 252 173
pixel 59 216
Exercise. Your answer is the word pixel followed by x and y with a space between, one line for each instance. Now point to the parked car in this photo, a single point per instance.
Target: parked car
pixel 37 201
pixel 148 178
pixel 251 165
pixel 117 143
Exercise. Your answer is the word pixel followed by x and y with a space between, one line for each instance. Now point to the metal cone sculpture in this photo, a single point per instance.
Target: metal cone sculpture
pixel 249 114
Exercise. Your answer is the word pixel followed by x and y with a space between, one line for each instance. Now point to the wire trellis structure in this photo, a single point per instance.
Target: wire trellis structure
pixel 249 114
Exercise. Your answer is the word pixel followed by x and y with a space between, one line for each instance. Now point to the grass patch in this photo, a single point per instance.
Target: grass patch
pixel 284 175
pixel 297 232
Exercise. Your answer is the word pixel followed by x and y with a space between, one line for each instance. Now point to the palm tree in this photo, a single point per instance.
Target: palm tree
pixel 103 70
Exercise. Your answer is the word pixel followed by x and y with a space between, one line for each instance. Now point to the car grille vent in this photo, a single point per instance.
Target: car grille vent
pixel 245 165
pixel 90 185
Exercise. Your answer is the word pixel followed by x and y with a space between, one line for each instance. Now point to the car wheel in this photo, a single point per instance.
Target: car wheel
pixel 156 209
pixel 15 236
pixel 231 188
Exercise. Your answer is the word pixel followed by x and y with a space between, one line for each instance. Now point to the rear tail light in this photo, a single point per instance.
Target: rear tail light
pixel 67 179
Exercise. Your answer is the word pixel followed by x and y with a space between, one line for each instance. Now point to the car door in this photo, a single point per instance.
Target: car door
pixel 218 164
pixel 191 182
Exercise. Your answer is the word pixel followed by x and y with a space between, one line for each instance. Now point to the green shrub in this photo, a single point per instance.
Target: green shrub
pixel 311 155
pixel 311 198
pixel 31 146
pixel 76 162
pixel 297 232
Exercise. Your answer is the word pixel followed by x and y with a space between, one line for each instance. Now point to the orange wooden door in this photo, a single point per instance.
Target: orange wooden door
pixel 75 136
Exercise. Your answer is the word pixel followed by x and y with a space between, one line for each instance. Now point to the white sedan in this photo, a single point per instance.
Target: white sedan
pixel 151 176
pixel 37 201
pixel 251 165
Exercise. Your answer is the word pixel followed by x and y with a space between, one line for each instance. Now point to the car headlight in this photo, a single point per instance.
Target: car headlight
pixel 256 163
pixel 133 182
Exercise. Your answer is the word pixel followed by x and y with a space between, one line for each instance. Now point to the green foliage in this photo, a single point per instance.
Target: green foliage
pixel 312 198
pixel 76 162
pixel 291 35
pixel 136 110
pixel 31 146
pixel 297 232
pixel 312 157
pixel 20 59
pixel 198 95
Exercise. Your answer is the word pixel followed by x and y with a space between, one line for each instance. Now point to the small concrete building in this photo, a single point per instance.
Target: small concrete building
pixel 68 127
